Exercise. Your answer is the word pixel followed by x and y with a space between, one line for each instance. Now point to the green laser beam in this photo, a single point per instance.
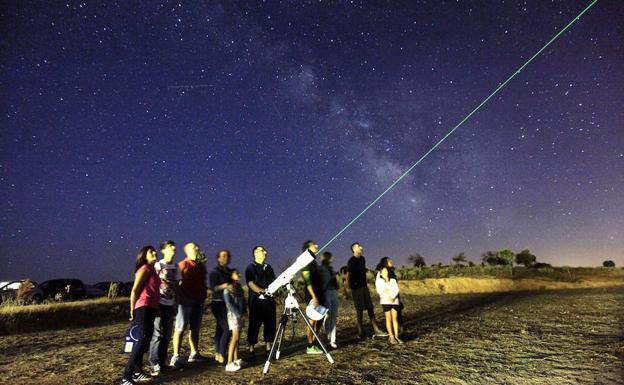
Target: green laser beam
pixel 516 72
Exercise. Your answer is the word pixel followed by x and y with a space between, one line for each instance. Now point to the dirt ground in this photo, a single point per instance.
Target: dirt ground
pixel 548 337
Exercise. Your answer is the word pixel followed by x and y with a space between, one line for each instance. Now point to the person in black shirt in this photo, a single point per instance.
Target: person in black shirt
pixel 313 294
pixel 356 283
pixel 220 280
pixel 259 276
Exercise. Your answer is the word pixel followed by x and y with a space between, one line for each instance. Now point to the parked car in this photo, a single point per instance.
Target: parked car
pixel 94 292
pixel 10 289
pixel 123 289
pixel 63 289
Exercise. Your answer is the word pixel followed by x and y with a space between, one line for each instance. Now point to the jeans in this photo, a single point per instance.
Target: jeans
pixel 163 328
pixel 331 303
pixel 222 331
pixel 144 316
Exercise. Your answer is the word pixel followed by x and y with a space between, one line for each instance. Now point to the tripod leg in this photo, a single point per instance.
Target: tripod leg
pixel 281 338
pixel 276 341
pixel 329 357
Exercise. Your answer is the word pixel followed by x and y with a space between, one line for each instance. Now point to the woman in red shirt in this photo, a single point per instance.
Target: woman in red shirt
pixel 144 300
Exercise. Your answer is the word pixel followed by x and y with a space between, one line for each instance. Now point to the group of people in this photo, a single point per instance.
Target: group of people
pixel 167 299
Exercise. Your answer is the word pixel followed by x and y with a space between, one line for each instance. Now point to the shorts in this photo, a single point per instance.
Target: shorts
pixel 361 298
pixel 235 322
pixel 387 308
pixel 189 317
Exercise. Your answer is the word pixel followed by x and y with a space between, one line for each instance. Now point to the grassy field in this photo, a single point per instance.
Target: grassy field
pixel 61 315
pixel 16 318
pixel 545 337
pixel 558 273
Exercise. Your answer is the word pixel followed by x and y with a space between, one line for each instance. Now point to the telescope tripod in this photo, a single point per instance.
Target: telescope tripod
pixel 291 309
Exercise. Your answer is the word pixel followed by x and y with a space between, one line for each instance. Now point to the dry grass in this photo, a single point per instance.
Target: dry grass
pixel 16 318
pixel 549 337
pixel 560 273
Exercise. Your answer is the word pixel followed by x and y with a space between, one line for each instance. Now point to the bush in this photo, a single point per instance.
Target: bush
pixel 415 273
pixel 608 264
pixel 542 265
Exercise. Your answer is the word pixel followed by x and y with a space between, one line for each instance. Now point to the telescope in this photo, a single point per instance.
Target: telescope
pixel 287 275
pixel 291 307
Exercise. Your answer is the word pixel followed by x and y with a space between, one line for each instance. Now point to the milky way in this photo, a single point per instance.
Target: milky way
pixel 236 124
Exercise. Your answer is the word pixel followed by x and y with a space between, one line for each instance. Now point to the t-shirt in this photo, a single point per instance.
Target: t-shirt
pixel 193 280
pixel 218 276
pixel 314 279
pixel 260 274
pixel 149 295
pixel 169 275
pixel 356 267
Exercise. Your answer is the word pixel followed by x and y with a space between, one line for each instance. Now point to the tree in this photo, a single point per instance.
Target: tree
pixel 460 258
pixel 492 258
pixel 608 264
pixel 417 260
pixel 507 256
pixel 525 258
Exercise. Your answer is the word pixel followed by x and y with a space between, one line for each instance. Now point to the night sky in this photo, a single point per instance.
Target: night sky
pixel 128 123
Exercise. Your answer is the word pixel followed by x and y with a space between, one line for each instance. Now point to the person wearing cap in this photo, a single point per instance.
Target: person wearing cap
pixel 313 294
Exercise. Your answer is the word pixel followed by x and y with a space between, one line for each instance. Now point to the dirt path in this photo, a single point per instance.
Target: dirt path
pixel 555 337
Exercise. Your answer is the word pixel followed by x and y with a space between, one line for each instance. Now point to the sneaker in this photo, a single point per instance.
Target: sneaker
pixel 127 382
pixel 177 362
pixel 400 341
pixel 314 350
pixel 239 362
pixel 392 341
pixel 232 367
pixel 155 370
pixel 167 368
pixel 333 345
pixel 196 357
pixel 141 377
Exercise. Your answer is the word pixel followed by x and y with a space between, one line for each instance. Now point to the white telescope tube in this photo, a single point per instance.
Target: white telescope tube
pixel 302 261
